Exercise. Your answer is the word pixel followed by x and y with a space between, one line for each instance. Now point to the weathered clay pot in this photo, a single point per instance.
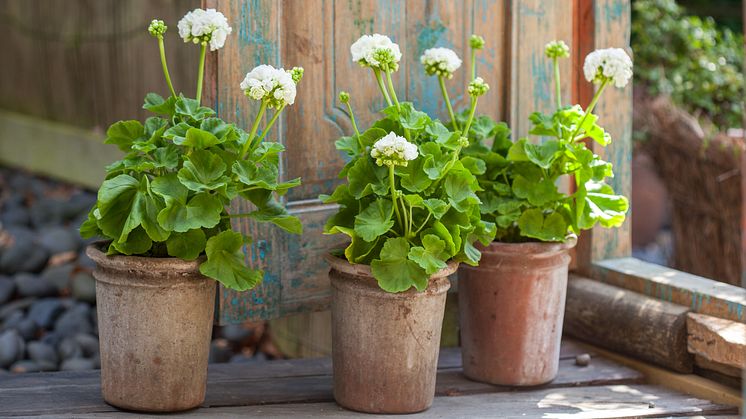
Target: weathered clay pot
pixel 384 346
pixel 155 322
pixel 511 310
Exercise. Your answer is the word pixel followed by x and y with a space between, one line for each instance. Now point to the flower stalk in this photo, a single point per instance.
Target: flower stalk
pixel 447 100
pixel 589 109
pixel 201 71
pixel 254 127
pixel 164 65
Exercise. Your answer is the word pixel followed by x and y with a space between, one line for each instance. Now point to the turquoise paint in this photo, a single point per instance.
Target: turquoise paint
pixel 255 24
pixel 737 309
pixel 540 71
pixel 526 10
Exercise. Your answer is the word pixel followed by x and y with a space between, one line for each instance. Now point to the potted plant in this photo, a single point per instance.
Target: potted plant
pixel 410 210
pixel 162 211
pixel 512 304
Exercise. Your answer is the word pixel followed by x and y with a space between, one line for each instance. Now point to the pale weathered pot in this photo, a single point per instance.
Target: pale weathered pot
pixel 384 346
pixel 511 310
pixel 155 323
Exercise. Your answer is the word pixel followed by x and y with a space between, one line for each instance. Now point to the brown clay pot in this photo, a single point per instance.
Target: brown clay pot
pixel 511 310
pixel 384 346
pixel 155 322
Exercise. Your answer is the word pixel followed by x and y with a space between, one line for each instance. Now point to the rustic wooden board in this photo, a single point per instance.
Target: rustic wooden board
pixel 292 381
pixel 317 34
pixel 701 295
pixel 717 340
pixel 615 401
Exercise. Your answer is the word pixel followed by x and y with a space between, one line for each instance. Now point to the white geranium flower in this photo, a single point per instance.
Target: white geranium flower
pixel 275 85
pixel 440 62
pixel 611 64
pixel 393 150
pixel 377 51
pixel 205 27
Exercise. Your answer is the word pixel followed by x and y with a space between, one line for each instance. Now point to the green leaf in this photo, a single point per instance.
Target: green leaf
pixel 198 139
pixel 137 243
pixel 371 135
pixel 538 193
pixel 278 215
pixel 156 104
pixel 264 176
pixel 429 255
pixel 474 165
pixel 360 251
pixel 435 162
pixel 203 171
pixel 375 220
pixel 394 271
pixel 443 135
pixel 167 157
pixel 201 211
pixel 225 262
pixel 349 145
pixel 436 207
pixel 217 127
pixel 413 176
pixel 124 133
pixel 551 228
pixel 188 245
pixel 168 187
pixel 191 108
pixel 177 133
pixel 365 178
pixel 542 155
pixel 458 186
pixel 602 206
pixel 89 228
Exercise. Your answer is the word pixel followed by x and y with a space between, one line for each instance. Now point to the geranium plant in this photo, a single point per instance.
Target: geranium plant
pixel 168 196
pixel 519 186
pixel 409 204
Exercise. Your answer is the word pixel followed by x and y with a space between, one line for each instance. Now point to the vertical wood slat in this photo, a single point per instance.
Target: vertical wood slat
pixel 317 35
pixel 611 28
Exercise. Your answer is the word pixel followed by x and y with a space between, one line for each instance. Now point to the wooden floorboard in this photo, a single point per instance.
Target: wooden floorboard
pixel 273 386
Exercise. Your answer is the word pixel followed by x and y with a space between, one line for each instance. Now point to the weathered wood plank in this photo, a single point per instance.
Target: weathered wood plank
pixel 629 323
pixel 295 381
pixel 616 401
pixel 701 295
pixel 62 151
pixel 717 340
pixel 611 28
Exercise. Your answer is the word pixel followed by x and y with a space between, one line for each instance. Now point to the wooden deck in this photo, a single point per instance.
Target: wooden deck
pixel 303 388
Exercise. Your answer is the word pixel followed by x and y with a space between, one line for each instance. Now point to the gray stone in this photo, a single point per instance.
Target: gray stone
pixel 79 204
pixel 12 320
pixel 88 344
pixel 46 366
pixel 7 288
pixel 583 360
pixel 42 352
pixel 84 261
pixel 74 320
pixel 13 258
pixel 69 348
pixel 45 311
pixel 12 347
pixel 25 366
pixel 28 285
pixel 59 275
pixel 47 212
pixel 220 351
pixel 77 364
pixel 84 287
pixel 52 338
pixel 27 328
pixel 15 215
pixel 9 308
pixel 60 240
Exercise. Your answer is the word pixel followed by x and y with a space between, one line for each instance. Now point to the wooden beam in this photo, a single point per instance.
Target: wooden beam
pixel 627 322
pixel 717 340
pixel 53 149
pixel 701 295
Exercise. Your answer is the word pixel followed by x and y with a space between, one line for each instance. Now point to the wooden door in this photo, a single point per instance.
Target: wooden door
pixel 316 34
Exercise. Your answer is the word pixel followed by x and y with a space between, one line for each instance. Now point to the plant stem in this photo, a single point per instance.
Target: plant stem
pixel 396 100
pixel 269 124
pixel 471 116
pixel 394 199
pixel 589 109
pixel 352 118
pixel 201 71
pixel 557 87
pixel 423 223
pixel 162 48
pixel 381 86
pixel 443 89
pixel 473 64
pixel 254 127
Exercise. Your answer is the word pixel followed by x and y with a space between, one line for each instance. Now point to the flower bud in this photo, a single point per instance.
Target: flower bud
pixel 557 49
pixel 476 42
pixel 478 87
pixel 296 73
pixel 344 97
pixel 463 142
pixel 157 28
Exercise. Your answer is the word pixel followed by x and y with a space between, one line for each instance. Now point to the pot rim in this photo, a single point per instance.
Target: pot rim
pixel 530 247
pixel 362 270
pixel 141 263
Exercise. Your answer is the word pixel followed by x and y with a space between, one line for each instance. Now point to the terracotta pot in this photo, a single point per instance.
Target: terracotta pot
pixel 511 309
pixel 155 323
pixel 384 346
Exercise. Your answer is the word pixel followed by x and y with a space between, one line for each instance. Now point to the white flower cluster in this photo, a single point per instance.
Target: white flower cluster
pixel 205 26
pixel 477 87
pixel 275 85
pixel 611 64
pixel 393 150
pixel 377 51
pixel 440 62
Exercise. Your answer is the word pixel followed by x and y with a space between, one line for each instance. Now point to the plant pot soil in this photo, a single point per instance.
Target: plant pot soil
pixel 384 346
pixel 155 321
pixel 512 306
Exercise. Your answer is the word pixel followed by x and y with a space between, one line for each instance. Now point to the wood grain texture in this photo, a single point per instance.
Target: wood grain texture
pixel 701 295
pixel 629 323
pixel 317 34
pixel 611 28
pixel 292 381
pixel 90 63
pixel 717 340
